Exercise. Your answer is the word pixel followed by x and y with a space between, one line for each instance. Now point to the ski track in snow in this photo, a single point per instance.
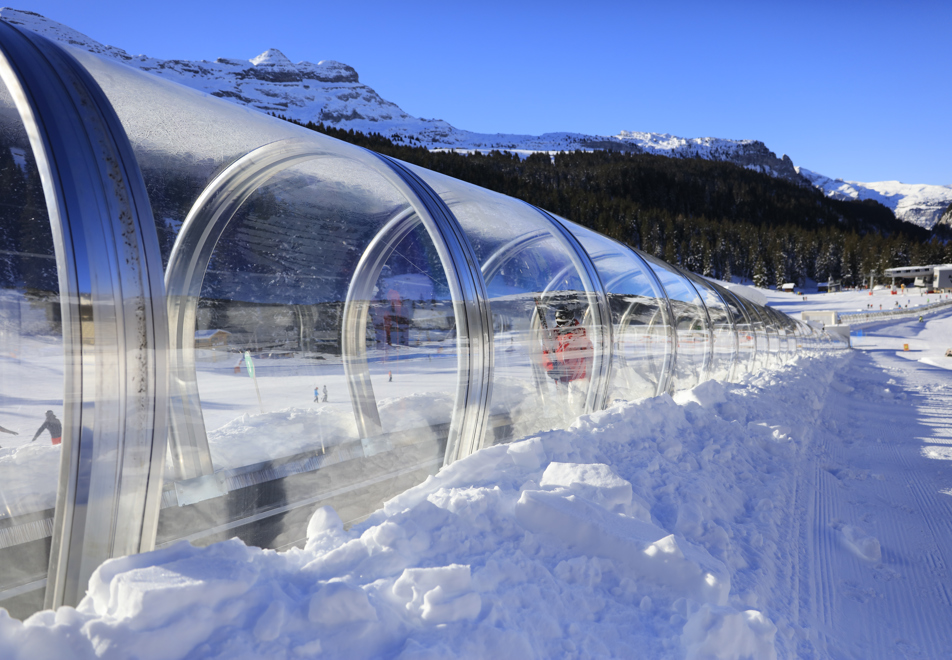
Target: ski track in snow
pixel 878 480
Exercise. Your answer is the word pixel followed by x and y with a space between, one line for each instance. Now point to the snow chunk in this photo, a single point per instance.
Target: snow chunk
pixel 438 595
pixel 715 633
pixel 595 482
pixel 324 526
pixel 862 545
pixel 528 453
pixel 707 394
pixel 152 588
pixel 639 550
pixel 269 625
pixel 339 603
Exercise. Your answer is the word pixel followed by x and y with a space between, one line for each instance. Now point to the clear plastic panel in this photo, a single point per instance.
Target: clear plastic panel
pixel 694 348
pixel 760 333
pixel 793 338
pixel 746 341
pixel 781 330
pixel 542 312
pixel 31 372
pixel 790 349
pixel 722 325
pixel 643 334
pixel 773 338
pixel 182 137
pixel 811 339
pixel 794 341
pixel 285 432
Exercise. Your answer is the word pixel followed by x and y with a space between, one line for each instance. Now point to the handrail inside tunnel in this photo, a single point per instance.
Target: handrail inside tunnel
pixel 471 339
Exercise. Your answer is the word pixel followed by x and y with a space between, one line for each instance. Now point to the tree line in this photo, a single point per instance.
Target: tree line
pixel 712 217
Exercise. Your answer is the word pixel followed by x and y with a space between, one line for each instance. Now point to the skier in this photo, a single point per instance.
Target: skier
pixel 53 425
pixel 324 400
pixel 317 392
pixel 389 376
pixel 566 357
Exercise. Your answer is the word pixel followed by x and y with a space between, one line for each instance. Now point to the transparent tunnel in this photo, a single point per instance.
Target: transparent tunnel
pixel 214 322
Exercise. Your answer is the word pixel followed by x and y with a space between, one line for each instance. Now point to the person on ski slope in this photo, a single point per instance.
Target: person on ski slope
pixel 567 354
pixel 53 425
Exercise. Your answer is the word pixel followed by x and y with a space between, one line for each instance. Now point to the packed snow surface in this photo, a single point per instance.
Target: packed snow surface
pixel 804 512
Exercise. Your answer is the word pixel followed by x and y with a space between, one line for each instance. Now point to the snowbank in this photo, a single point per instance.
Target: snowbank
pixel 642 530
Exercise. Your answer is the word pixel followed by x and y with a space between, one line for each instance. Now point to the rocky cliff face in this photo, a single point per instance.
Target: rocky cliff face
pixel 946 218
pixel 331 92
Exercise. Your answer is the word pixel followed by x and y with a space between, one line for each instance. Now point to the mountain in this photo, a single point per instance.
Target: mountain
pixel 331 93
pixel 920 204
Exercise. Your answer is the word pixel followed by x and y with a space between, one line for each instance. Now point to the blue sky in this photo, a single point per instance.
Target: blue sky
pixel 856 90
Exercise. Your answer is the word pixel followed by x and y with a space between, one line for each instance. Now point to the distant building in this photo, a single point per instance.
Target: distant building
pixel 932 277
pixel 824 318
pixel 211 338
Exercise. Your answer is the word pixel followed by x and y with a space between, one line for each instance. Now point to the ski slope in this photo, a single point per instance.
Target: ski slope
pixel 803 513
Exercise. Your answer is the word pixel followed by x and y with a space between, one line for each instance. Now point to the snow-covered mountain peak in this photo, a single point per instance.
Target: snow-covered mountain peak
pixel 918 203
pixel 272 57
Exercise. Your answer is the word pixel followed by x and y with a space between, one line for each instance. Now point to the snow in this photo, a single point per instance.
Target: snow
pixel 800 513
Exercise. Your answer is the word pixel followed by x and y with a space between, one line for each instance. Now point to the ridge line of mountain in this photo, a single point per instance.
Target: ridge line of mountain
pixel 331 93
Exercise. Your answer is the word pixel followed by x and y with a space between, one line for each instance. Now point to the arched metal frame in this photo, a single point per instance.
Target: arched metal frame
pixel 776 337
pixel 199 235
pixel 666 382
pixel 664 308
pixel 496 261
pixel 597 303
pixel 697 281
pixel 762 356
pixel 735 303
pixel 473 316
pixel 709 355
pixel 110 270
pixel 601 315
